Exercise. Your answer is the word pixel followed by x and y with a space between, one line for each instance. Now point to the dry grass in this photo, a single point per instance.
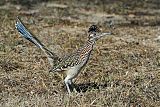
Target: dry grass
pixel 124 70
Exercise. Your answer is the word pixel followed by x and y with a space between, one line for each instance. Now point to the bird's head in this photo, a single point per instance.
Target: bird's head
pixel 95 33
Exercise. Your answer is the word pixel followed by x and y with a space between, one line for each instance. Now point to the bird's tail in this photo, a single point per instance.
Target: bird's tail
pixel 27 35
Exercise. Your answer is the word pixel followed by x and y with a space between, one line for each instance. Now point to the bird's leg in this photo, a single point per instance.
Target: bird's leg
pixel 72 86
pixel 67 85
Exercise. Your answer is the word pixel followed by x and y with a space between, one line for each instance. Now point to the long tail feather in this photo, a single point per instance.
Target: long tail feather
pixel 27 35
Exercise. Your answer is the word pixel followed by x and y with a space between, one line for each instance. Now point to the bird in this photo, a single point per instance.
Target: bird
pixel 70 64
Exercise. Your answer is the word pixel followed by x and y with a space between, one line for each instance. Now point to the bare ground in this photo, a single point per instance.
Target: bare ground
pixel 124 69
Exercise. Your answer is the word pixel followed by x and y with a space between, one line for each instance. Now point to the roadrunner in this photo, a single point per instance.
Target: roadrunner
pixel 71 64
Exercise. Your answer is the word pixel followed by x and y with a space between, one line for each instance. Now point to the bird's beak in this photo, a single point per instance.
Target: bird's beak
pixel 104 34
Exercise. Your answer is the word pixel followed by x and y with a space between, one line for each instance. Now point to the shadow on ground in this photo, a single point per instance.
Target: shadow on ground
pixel 89 86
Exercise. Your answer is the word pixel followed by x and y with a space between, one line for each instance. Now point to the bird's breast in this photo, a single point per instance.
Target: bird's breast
pixel 72 72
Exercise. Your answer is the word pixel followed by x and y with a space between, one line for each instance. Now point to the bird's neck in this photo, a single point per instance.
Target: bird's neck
pixel 91 42
pixel 88 47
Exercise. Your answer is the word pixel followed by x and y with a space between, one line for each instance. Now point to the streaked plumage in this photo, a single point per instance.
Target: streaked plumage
pixel 70 64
